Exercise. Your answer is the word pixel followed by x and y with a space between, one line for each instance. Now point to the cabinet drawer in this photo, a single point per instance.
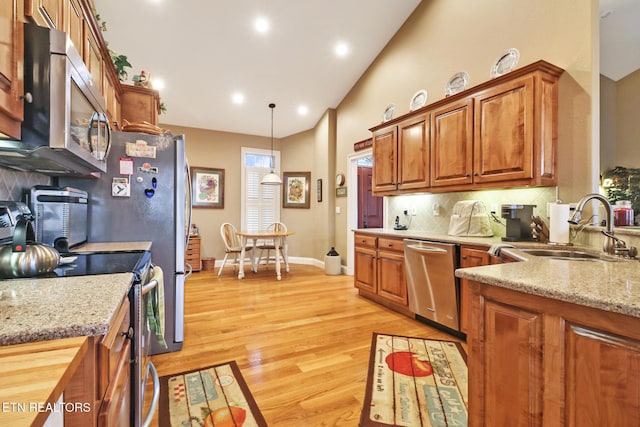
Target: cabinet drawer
pixel 116 405
pixel 395 245
pixel 113 345
pixel 365 241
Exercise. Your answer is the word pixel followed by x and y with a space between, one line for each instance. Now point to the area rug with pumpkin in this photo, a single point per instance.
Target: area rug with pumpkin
pixel 415 382
pixel 216 396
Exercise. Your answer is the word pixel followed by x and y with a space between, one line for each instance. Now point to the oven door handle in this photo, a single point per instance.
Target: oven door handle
pixel 149 286
pixel 156 395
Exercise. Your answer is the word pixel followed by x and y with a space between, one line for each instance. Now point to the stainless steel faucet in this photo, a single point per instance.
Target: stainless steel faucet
pixel 611 245
pixel 610 242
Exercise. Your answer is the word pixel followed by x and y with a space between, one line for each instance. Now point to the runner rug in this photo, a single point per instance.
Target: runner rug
pixel 216 396
pixel 415 382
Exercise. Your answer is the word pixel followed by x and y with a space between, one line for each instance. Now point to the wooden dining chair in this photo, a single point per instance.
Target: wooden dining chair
pixel 269 245
pixel 232 246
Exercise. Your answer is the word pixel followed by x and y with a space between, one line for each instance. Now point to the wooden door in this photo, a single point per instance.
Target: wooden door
pixel 46 13
pixel 413 154
pixel 503 137
pixel 392 284
pixel 93 57
pixel 385 166
pixel 11 59
pixel 469 257
pixel 365 269
pixel 603 378
pixel 74 24
pixel 369 206
pixel 506 365
pixel 452 144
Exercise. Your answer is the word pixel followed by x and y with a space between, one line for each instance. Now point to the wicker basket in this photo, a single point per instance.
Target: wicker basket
pixel 208 264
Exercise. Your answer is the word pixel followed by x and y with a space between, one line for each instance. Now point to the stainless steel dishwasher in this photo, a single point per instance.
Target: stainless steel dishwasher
pixel 431 283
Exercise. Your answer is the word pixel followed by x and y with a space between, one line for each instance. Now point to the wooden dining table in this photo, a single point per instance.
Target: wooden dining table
pixel 279 240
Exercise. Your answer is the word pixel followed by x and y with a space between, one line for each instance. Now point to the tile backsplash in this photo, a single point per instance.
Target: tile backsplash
pixel 13 183
pixel 427 220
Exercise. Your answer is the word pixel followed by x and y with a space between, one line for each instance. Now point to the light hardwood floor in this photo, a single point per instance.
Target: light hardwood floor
pixel 302 343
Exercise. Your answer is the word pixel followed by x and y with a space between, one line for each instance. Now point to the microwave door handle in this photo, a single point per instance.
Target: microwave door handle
pixel 108 136
pixel 89 141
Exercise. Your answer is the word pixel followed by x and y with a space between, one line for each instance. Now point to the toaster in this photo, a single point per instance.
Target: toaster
pixel 60 215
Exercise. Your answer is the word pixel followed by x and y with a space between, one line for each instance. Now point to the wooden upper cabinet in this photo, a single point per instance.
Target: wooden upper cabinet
pixel 93 56
pixel 452 144
pixel 401 156
pixel 385 148
pixel 140 104
pixel 504 132
pixel 46 13
pixel 501 133
pixel 11 67
pixel 413 153
pixel 74 25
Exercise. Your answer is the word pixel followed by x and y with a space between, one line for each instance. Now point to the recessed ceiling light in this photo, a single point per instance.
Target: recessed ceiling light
pixel 342 49
pixel 237 98
pixel 303 110
pixel 261 25
pixel 157 84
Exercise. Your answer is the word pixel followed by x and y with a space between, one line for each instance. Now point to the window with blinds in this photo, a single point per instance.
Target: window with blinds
pixel 260 203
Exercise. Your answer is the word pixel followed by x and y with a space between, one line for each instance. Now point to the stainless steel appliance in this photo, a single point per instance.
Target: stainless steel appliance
pixel 60 215
pixel 145 196
pixel 142 369
pixel 10 211
pixel 65 130
pixel 518 222
pixel 431 283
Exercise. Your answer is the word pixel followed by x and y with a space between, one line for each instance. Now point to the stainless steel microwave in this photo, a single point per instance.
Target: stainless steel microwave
pixel 65 129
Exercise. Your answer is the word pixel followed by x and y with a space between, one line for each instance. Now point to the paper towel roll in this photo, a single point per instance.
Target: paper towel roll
pixel 558 223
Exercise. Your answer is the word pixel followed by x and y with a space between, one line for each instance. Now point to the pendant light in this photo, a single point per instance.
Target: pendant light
pixel 271 178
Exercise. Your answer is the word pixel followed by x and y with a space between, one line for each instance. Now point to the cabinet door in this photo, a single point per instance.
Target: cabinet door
pixel 11 58
pixel 74 25
pixel 503 138
pixel 116 405
pixel 140 104
pixel 46 13
pixel 92 57
pixel 603 378
pixel 365 269
pixel 385 166
pixel 452 144
pixel 413 154
pixel 505 388
pixel 469 257
pixel 392 284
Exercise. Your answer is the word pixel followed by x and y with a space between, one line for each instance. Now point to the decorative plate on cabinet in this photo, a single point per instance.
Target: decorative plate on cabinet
pixel 389 112
pixel 418 100
pixel 457 83
pixel 505 63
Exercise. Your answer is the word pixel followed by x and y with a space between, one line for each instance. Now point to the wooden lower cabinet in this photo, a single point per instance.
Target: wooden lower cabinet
pixel 103 380
pixel 379 270
pixel 470 256
pixel 536 361
pixel 192 256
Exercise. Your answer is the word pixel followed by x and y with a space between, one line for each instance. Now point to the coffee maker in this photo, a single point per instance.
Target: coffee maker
pixel 518 219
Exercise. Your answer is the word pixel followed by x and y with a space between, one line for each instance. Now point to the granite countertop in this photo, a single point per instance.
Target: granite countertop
pixel 609 286
pixel 39 309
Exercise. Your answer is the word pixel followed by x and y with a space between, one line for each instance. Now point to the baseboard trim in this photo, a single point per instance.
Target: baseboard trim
pixel 298 260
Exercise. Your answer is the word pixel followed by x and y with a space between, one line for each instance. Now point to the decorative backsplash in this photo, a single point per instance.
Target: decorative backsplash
pixel 13 183
pixel 426 220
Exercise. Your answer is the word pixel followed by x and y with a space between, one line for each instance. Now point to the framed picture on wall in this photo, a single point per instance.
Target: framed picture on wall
pixel 207 187
pixel 295 189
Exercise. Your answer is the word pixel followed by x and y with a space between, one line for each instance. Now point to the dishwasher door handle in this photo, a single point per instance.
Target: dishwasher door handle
pixel 429 249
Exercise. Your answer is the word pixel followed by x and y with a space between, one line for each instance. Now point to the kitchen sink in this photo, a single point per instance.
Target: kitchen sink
pixel 568 254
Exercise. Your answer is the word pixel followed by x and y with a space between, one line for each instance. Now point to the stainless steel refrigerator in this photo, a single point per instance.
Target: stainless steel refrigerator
pixel 145 196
